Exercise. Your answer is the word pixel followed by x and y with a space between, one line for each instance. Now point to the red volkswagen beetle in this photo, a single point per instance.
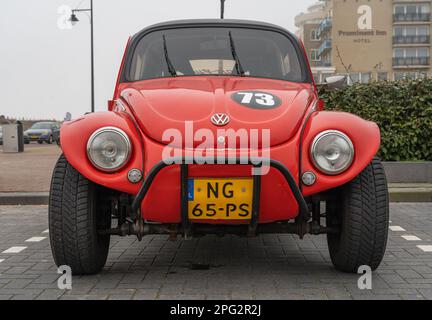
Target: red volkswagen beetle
pixel 216 128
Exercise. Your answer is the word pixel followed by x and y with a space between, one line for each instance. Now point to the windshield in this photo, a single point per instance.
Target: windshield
pixel 215 51
pixel 42 125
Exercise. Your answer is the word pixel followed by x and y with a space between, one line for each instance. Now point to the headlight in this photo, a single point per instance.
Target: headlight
pixel 332 152
pixel 109 149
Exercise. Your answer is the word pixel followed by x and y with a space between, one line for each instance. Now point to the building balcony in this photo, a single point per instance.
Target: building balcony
pixel 411 17
pixel 325 25
pixel 411 40
pixel 325 46
pixel 411 62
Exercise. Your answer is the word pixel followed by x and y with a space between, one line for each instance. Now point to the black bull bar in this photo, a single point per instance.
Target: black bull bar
pixel 184 162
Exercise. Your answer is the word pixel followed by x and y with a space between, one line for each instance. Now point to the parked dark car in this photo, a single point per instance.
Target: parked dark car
pixel 41 132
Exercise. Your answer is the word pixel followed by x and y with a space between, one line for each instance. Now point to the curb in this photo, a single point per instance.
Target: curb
pixel 397 193
pixel 414 196
pixel 406 192
pixel 23 198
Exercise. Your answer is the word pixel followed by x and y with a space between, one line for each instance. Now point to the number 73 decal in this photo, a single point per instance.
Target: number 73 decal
pixel 256 99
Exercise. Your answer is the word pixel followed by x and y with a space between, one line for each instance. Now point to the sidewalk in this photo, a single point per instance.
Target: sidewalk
pixel 29 171
pixel 25 178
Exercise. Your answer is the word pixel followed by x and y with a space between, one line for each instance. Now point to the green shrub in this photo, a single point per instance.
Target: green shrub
pixel 402 109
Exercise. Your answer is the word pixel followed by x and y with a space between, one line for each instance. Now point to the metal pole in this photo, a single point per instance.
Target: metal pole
pixel 92 58
pixel 222 8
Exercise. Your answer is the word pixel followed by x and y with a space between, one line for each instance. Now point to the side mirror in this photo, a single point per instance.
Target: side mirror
pixel 336 82
pixel 111 104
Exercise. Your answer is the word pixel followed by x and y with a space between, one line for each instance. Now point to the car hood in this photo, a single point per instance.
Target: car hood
pixel 164 104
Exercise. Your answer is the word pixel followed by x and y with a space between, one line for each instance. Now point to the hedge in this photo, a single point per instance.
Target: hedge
pixel 402 109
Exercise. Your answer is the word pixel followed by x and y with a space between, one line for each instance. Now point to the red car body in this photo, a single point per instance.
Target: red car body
pixel 162 201
pixel 293 126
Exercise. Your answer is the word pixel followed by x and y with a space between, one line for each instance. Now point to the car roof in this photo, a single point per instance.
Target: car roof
pixel 207 22
pixel 210 23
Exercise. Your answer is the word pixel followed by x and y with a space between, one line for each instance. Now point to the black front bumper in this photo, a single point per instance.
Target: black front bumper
pixel 304 211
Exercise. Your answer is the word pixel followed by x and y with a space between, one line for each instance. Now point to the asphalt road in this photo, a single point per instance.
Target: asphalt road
pixel 267 267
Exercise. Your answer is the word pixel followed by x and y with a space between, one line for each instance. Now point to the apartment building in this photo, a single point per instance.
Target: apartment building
pixel 368 39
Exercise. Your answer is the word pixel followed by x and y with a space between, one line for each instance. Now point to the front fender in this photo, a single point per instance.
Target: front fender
pixel 74 136
pixel 365 136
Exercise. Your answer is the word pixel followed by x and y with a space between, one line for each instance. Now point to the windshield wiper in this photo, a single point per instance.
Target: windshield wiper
pixel 238 66
pixel 171 68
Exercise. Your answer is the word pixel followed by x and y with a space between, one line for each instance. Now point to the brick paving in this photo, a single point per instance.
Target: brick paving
pixel 267 267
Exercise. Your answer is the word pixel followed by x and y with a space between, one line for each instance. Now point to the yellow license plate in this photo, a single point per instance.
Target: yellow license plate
pixel 220 199
pixel 34 137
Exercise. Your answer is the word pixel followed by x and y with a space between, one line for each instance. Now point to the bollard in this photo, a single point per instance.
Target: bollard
pixel 13 138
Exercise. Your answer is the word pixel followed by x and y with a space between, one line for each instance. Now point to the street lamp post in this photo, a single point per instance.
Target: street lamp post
pixel 74 19
pixel 222 11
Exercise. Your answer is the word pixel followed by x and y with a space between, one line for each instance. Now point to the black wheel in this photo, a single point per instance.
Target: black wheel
pixel 78 208
pixel 360 209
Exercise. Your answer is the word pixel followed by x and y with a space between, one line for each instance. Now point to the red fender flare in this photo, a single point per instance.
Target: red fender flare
pixel 365 136
pixel 75 134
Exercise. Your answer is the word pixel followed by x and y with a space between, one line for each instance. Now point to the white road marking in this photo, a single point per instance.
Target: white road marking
pixel 1 260
pixel 411 238
pixel 14 249
pixel 35 239
pixel 46 231
pixel 396 228
pixel 425 248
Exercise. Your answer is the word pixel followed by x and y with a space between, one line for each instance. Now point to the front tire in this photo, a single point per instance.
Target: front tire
pixel 78 208
pixel 360 209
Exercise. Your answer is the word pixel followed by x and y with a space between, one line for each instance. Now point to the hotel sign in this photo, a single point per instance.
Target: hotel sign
pixel 364 25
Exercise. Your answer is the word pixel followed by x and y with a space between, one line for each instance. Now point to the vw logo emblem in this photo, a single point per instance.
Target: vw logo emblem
pixel 220 119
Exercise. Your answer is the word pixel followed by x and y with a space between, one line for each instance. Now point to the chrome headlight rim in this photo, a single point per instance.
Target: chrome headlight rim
pixel 313 151
pixel 114 130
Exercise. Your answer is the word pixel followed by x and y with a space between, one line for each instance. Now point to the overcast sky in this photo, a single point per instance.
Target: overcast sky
pixel 45 70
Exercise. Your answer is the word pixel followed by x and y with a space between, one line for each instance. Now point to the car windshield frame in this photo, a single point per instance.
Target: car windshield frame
pixel 135 41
